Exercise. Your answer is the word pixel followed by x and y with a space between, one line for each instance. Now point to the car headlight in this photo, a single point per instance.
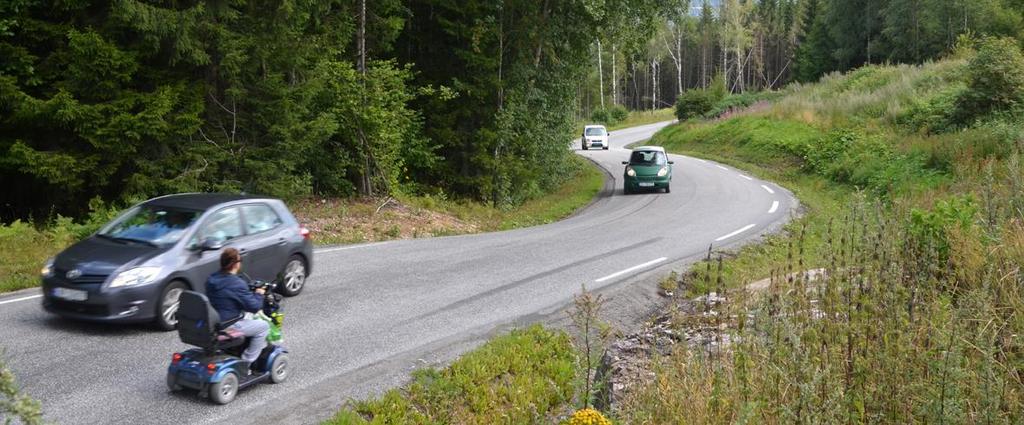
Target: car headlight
pixel 630 172
pixel 136 276
pixel 663 172
pixel 47 269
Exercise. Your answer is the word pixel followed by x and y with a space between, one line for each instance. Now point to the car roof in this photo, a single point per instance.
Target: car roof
pixel 593 126
pixel 198 201
pixel 649 148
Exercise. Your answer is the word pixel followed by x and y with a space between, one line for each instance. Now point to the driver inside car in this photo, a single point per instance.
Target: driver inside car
pixel 230 295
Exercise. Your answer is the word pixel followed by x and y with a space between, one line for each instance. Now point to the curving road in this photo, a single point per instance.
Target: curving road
pixel 372 312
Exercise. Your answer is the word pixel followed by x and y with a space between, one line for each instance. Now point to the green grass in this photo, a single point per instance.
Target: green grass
pixel 571 196
pixel 524 377
pixel 644 117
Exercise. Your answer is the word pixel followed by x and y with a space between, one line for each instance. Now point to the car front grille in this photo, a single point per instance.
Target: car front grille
pixel 62 274
pixel 80 308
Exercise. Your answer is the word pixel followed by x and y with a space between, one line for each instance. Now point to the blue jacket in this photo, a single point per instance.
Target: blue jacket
pixel 230 296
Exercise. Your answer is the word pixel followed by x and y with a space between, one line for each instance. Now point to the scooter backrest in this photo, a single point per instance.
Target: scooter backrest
pixel 197 320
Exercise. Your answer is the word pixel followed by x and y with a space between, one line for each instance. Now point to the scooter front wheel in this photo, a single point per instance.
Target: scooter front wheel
pixel 279 369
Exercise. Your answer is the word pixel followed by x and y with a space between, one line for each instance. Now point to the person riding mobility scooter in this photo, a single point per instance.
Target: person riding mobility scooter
pixel 216 368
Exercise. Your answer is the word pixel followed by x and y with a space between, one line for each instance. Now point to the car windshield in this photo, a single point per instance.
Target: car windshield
pixel 595 131
pixel 647 158
pixel 153 225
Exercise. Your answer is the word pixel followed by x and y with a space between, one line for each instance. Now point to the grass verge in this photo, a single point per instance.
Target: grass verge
pixel 524 377
pixel 644 117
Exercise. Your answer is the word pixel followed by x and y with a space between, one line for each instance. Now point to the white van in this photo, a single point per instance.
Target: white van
pixel 595 136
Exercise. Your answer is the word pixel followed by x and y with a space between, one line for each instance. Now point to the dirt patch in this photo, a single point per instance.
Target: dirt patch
pixel 374 219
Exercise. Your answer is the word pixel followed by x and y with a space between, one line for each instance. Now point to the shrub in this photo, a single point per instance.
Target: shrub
pixel 931 229
pixel 588 417
pixel 694 104
pixel 601 115
pixel 618 113
pixel 995 80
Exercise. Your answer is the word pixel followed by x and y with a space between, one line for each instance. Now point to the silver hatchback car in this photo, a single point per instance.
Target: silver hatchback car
pixel 135 268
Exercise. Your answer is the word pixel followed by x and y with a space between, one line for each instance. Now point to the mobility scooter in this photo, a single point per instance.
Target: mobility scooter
pixel 215 369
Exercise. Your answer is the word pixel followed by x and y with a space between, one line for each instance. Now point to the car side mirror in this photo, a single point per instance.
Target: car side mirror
pixel 211 244
pixel 625 162
pixel 671 162
pixel 609 133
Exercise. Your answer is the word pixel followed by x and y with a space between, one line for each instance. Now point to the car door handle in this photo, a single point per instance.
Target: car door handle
pixel 243 251
pixel 282 241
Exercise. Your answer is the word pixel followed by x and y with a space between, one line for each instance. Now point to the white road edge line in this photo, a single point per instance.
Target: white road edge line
pixel 775 206
pixel 30 297
pixel 747 177
pixel 701 160
pixel 768 189
pixel 748 227
pixel 634 268
pixel 719 166
pixel 344 248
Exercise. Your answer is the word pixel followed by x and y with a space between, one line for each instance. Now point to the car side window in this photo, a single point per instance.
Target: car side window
pixel 222 226
pixel 260 218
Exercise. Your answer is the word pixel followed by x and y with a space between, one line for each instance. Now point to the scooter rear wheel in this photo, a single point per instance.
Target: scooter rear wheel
pixel 224 392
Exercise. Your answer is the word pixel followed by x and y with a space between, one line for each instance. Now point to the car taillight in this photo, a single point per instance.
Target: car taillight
pixel 210 368
pixel 176 358
pixel 304 232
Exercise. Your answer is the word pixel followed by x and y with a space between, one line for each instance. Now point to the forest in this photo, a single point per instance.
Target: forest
pixel 115 100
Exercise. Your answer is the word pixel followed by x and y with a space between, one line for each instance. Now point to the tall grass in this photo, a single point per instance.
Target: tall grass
pixel 894 333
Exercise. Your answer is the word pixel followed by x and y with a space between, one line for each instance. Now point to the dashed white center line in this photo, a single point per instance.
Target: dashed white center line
pixel 775 207
pixel 744 229
pixel 719 166
pixel 31 297
pixel 768 189
pixel 631 269
pixel 747 177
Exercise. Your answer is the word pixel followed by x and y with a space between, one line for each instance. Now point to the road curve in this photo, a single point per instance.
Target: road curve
pixel 371 312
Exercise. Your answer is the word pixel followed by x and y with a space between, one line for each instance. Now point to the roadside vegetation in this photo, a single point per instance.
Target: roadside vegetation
pixel 616 117
pixel 912 181
pixel 527 376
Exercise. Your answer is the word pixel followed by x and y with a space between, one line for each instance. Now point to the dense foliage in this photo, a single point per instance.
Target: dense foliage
pixel 120 99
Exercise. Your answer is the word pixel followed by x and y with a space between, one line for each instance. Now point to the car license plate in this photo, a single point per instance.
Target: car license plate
pixel 70 294
pixel 646 184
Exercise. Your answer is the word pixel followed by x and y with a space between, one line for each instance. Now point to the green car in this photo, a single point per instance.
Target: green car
pixel 648 168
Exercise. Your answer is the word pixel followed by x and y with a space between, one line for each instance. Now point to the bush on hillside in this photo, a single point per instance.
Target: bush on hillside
pixel 995 80
pixel 694 104
pixel 600 116
pixel 618 113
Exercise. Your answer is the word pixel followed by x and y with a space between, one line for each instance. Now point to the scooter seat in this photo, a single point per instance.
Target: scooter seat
pixel 229 334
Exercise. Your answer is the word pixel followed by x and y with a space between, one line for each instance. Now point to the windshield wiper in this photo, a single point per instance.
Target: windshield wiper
pixel 133 240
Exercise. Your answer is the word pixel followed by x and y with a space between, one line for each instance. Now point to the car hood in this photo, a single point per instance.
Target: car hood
pixel 646 170
pixel 98 256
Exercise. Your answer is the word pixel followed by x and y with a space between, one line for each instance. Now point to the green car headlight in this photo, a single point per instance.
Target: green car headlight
pixel 663 172
pixel 630 172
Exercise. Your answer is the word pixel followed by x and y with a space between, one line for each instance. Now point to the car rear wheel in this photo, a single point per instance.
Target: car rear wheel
pixel 293 277
pixel 167 305
pixel 668 189
pixel 172 382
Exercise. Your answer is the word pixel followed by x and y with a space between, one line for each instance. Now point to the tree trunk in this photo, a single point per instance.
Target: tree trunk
pixel 600 72
pixel 615 79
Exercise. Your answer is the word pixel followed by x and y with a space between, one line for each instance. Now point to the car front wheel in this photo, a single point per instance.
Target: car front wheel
pixel 293 277
pixel 167 307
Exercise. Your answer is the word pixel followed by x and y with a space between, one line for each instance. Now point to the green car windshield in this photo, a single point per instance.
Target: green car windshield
pixel 647 158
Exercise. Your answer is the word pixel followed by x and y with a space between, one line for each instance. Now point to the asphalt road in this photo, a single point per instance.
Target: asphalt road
pixel 371 313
